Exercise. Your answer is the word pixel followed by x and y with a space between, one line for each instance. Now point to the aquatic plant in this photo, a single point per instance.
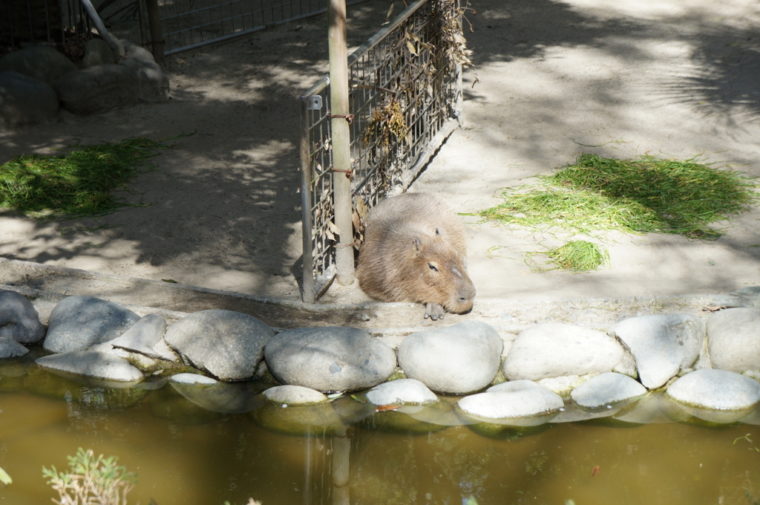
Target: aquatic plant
pixel 90 479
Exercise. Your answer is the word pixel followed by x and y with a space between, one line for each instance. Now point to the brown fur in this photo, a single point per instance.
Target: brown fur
pixel 414 250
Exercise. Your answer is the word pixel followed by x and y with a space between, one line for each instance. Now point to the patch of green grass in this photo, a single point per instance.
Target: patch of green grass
pixel 78 183
pixel 578 256
pixel 644 195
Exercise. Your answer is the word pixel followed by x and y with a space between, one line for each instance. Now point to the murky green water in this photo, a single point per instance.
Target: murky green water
pixel 188 455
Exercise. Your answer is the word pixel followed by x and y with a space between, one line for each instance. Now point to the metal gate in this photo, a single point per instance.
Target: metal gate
pixel 405 92
pixel 188 24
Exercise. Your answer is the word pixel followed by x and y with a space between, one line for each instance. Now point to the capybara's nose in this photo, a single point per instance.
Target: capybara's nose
pixel 469 293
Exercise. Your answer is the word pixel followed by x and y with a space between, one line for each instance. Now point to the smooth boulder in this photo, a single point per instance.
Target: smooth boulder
pixel 135 78
pixel 92 363
pixel 401 392
pixel 662 345
pixel 41 62
pixel 227 344
pixel 146 337
pixel 289 394
pixel 558 349
pixel 606 390
pixel 19 319
pixel 716 390
pixel 9 348
pixel 97 89
pixel 457 359
pixel 512 400
pixel 329 359
pixel 97 52
pixel 734 339
pixel 25 100
pixel 79 322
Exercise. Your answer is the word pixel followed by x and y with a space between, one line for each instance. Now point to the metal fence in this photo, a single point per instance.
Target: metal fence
pixel 187 24
pixel 52 22
pixel 405 93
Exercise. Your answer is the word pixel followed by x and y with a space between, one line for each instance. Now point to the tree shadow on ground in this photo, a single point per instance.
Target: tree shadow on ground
pixel 721 82
pixel 718 78
pixel 223 200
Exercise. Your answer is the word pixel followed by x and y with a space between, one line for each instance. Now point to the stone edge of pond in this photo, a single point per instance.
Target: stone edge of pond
pixel 608 320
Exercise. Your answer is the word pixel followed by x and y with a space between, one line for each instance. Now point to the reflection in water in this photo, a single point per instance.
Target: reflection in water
pixel 184 453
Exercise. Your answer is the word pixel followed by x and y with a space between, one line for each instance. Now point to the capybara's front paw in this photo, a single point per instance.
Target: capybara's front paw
pixel 434 311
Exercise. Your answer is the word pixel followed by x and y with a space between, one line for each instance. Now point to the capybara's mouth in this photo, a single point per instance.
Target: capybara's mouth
pixel 459 307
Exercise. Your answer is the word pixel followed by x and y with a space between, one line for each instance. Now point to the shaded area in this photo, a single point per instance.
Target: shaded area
pixel 717 75
pixel 720 79
pixel 527 29
pixel 79 183
pixel 221 208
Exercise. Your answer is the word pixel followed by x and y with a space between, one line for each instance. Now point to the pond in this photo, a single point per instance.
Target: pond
pixel 186 454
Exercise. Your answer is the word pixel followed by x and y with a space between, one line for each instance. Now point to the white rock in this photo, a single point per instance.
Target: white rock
pixel 19 319
pixel 564 385
pixel 510 400
pixel 401 391
pixel 294 395
pixel 9 348
pixel 146 337
pixel 456 359
pixel 716 389
pixel 558 349
pixel 662 345
pixel 329 358
pixel 92 363
pixel 734 339
pixel 606 389
pixel 192 378
pixel 79 322
pixel 227 344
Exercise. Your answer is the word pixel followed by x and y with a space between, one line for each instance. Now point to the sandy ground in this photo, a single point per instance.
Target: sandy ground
pixel 674 78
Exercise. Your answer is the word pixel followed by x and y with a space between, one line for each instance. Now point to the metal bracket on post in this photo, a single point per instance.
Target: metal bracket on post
pixel 313 102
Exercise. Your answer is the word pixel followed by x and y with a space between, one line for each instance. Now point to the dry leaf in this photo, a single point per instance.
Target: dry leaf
pixel 332 230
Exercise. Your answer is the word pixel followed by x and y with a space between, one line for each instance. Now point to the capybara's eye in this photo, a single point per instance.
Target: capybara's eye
pixel 433 267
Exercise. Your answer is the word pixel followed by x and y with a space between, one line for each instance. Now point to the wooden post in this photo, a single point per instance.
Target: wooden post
pixel 156 35
pixel 341 138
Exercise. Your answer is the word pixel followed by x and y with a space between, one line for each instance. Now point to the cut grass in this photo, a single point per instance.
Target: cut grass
pixel 641 196
pixel 79 183
pixel 578 256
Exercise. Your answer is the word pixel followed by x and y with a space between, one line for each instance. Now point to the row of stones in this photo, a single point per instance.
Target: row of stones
pixel 95 337
pixel 37 80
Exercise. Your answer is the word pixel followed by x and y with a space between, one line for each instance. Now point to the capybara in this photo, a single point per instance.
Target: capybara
pixel 414 250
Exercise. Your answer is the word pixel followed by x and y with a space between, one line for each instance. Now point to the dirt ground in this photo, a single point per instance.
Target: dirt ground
pixel 551 80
